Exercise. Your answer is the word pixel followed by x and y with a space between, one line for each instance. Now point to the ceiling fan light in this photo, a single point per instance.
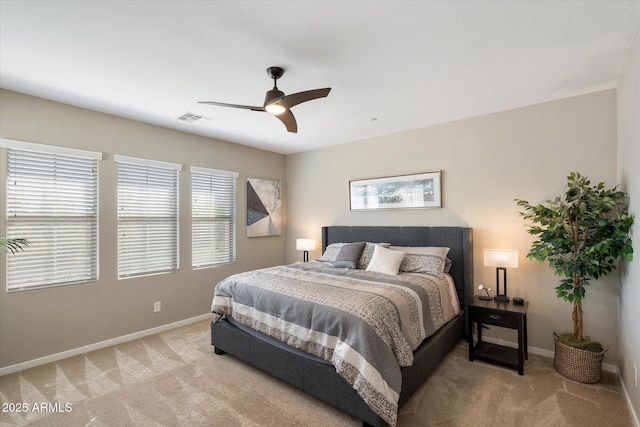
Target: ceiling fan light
pixel 275 109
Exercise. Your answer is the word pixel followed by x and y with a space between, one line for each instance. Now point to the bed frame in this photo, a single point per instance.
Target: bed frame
pixel 320 379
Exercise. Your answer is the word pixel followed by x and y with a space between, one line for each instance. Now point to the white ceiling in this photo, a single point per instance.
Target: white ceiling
pixel 392 65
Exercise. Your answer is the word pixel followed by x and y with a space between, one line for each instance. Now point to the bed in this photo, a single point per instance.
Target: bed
pixel 320 379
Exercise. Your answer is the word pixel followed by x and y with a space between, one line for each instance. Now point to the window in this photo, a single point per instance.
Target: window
pixel 52 201
pixel 147 217
pixel 213 201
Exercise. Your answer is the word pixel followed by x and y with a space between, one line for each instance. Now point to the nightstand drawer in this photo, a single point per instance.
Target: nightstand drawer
pixel 496 318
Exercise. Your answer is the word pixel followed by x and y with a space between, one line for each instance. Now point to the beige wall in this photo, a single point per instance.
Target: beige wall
pixel 39 323
pixel 629 176
pixel 486 162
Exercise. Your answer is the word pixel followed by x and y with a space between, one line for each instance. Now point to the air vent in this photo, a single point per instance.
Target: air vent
pixel 193 118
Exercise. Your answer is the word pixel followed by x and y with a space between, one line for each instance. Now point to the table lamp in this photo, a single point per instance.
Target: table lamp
pixel 501 259
pixel 305 245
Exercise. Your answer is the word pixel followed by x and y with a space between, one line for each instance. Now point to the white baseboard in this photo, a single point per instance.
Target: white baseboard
pixel 546 353
pixel 632 411
pixel 96 346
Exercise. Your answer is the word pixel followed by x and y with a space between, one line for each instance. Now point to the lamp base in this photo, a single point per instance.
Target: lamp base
pixel 501 298
pixel 485 298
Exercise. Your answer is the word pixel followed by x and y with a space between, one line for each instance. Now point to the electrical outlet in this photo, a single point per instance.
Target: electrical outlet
pixel 635 375
pixel 157 306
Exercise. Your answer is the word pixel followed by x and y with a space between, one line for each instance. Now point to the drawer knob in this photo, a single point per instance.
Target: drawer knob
pixel 494 316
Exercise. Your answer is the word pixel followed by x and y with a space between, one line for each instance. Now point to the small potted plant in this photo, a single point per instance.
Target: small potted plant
pixel 582 234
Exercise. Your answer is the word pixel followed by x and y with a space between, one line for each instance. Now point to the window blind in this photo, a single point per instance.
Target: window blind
pixel 147 217
pixel 52 201
pixel 213 227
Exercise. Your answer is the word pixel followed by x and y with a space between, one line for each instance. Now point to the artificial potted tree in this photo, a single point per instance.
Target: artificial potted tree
pixel 582 234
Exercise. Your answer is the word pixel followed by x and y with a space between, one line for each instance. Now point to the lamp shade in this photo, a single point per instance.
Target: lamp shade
pixel 305 244
pixel 505 258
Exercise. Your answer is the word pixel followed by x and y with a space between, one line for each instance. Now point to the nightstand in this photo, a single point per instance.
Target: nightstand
pixel 504 315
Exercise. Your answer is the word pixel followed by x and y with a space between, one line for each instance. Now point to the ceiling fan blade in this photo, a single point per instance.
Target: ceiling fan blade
pixel 288 120
pixel 222 104
pixel 294 99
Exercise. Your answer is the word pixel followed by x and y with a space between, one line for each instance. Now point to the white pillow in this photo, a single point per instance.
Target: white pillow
pixel 385 261
pixel 367 253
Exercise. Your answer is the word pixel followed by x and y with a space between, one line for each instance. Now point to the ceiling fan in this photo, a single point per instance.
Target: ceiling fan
pixel 277 103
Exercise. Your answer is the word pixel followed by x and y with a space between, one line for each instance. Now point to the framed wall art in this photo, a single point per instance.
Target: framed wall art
pixel 263 207
pixel 420 190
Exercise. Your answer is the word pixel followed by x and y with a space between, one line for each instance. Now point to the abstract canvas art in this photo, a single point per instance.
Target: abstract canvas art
pixel 263 207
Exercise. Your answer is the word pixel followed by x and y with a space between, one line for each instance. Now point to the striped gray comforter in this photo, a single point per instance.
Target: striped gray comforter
pixel 366 324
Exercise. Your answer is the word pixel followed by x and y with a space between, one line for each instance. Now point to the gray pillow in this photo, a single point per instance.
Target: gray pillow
pixel 349 255
pixel 331 252
pixel 428 260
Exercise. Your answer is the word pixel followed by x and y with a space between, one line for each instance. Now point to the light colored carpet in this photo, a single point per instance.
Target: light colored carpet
pixel 174 379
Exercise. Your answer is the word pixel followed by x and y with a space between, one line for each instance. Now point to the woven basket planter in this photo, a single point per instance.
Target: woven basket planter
pixel 576 364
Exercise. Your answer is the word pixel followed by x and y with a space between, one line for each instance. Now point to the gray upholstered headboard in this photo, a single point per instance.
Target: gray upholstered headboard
pixel 458 239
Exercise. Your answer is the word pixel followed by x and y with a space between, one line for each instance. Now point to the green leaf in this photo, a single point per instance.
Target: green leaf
pixel 13 245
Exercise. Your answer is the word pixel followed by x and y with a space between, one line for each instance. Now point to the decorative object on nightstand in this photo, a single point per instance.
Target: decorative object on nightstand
pixel 501 259
pixel 305 245
pixel 482 297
